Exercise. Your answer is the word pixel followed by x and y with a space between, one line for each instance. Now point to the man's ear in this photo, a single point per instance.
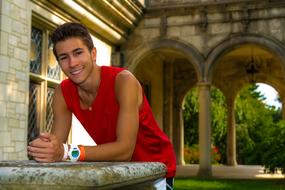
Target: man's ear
pixel 94 53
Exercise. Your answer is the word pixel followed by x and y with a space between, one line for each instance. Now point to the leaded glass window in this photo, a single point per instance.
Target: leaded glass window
pixel 49 113
pixel 53 67
pixel 36 51
pixel 45 75
pixel 33 128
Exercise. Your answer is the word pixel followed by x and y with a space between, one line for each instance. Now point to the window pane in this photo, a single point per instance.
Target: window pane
pixel 36 51
pixel 53 67
pixel 33 125
pixel 49 113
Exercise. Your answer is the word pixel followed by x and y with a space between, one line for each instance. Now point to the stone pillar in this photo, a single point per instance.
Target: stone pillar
pixel 178 134
pixel 205 168
pixel 15 27
pixel 168 99
pixel 231 134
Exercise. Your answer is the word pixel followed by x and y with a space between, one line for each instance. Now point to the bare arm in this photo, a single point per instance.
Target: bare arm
pixel 48 147
pixel 129 98
pixel 62 117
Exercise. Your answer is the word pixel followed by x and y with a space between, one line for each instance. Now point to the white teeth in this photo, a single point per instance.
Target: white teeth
pixel 76 72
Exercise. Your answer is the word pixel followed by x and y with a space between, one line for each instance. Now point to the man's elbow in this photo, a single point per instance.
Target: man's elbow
pixel 126 157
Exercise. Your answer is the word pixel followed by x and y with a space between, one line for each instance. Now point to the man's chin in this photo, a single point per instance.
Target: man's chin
pixel 78 81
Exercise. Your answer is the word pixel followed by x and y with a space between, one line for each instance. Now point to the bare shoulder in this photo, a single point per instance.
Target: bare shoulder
pixel 126 79
pixel 127 86
pixel 126 76
pixel 58 92
pixel 58 97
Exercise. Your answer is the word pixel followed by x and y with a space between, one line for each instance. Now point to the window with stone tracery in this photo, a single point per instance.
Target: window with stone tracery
pixel 45 75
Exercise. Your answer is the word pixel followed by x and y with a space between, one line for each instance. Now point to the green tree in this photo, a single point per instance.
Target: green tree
pixel 191 117
pixel 253 121
pixel 218 123
pixel 260 133
pixel 273 148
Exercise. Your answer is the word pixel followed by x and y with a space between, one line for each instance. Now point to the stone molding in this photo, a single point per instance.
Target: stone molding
pixel 79 175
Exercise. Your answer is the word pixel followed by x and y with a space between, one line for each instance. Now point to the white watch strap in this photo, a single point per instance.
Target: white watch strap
pixel 65 154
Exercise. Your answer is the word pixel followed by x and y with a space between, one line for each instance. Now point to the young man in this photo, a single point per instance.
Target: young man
pixel 110 104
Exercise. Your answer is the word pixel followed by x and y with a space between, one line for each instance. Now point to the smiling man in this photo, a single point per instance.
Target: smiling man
pixel 110 104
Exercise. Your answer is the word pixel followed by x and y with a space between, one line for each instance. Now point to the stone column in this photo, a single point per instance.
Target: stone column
pixel 15 22
pixel 178 134
pixel 205 168
pixel 168 99
pixel 231 133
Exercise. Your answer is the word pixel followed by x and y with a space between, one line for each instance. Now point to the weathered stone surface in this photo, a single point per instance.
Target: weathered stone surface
pixel 79 175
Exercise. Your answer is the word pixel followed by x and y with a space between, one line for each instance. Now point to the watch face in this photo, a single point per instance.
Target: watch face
pixel 74 153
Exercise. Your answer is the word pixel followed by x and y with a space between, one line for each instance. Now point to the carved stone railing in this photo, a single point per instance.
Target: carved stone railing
pixel 31 175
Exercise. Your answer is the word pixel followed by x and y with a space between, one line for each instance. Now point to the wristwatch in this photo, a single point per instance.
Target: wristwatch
pixel 73 153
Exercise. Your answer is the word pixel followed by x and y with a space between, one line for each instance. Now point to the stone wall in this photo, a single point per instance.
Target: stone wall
pixel 14 78
pixel 16 19
pixel 206 27
pixel 205 44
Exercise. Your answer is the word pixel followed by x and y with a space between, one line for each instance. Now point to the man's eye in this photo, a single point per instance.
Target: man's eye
pixel 78 52
pixel 62 58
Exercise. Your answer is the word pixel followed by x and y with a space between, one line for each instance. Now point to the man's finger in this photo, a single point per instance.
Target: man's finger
pixel 39 142
pixel 39 149
pixel 42 160
pixel 45 137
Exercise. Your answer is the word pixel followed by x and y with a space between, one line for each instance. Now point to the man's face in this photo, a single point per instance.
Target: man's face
pixel 75 59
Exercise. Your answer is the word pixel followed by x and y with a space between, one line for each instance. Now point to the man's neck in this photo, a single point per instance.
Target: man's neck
pixel 91 84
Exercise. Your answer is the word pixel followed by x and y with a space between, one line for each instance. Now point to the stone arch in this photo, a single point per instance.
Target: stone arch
pixel 182 66
pixel 235 40
pixel 223 58
pixel 189 51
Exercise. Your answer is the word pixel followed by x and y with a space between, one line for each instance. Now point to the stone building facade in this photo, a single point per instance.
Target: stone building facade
pixel 29 72
pixel 171 46
pixel 193 43
pixel 14 81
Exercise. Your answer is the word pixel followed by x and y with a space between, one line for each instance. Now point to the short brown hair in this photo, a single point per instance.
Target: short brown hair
pixel 69 30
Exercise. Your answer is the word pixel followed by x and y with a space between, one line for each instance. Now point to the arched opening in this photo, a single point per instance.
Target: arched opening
pixel 239 65
pixel 166 73
pixel 256 122
pixel 191 126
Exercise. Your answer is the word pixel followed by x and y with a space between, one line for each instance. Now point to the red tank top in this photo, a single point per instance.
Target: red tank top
pixel 101 122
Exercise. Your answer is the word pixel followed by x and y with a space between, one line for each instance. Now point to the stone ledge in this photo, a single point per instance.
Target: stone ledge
pixel 80 175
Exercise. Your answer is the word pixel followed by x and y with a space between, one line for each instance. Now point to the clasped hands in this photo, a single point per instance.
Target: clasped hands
pixel 46 148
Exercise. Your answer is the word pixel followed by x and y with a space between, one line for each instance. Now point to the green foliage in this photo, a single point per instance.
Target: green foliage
pixel 225 184
pixel 218 123
pixel 274 145
pixel 260 133
pixel 191 117
pixel 253 121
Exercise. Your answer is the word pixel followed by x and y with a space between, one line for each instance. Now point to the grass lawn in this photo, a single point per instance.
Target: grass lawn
pixel 233 184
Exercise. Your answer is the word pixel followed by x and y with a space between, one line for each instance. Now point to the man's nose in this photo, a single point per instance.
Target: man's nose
pixel 73 61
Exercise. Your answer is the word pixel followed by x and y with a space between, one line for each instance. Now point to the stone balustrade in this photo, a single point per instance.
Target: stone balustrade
pixel 80 175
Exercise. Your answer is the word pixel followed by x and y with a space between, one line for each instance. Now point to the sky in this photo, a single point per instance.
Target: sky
pixel 270 93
